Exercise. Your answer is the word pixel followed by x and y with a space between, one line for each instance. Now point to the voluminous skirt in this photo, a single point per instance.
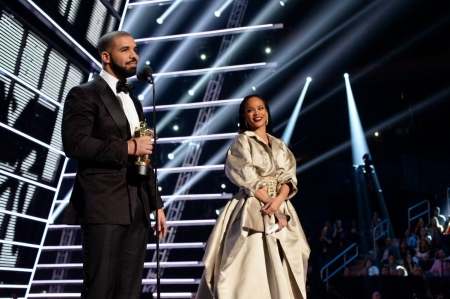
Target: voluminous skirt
pixel 243 262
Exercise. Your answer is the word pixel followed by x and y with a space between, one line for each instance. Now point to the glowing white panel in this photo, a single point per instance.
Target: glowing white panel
pixel 154 2
pixel 28 86
pixel 144 281
pixel 15 269
pixel 22 98
pixel 54 74
pixel 196 138
pixel 21 178
pixel 74 42
pixel 32 60
pixel 73 11
pixel 215 196
pixel 209 33
pixel 149 246
pixel 111 20
pixel 29 138
pixel 12 32
pixel 193 105
pixel 94 31
pixel 74 77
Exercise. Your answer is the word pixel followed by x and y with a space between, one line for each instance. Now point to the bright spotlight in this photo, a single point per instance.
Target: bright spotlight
pixel 176 127
pixel 376 134
pixel 223 186
pixel 254 88
pixel 282 3
pixel 191 92
pixel 309 79
pixel 218 12
pixel 141 97
pixel 147 62
pixel 159 189
pixel 287 134
pixel 202 56
pixel 358 139
pixel 170 156
pixel 268 50
pixel 159 21
pixel 218 211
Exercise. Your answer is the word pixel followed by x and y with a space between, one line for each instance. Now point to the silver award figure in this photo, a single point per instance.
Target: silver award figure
pixel 143 162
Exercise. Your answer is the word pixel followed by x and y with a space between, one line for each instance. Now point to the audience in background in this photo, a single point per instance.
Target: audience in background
pixel 434 224
pixel 392 265
pixel 423 252
pixel 419 226
pixel 410 240
pixel 376 295
pixel 372 270
pixel 403 250
pixel 441 266
pixel 440 218
pixel 400 271
pixel 409 264
pixel 418 271
pixel 385 251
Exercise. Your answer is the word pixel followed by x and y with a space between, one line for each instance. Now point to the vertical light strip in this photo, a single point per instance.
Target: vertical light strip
pixel 294 116
pixel 123 14
pixel 358 139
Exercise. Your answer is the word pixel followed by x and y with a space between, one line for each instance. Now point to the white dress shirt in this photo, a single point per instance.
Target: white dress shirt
pixel 125 101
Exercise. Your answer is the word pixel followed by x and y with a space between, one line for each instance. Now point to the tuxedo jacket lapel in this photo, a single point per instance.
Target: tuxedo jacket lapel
pixel 113 106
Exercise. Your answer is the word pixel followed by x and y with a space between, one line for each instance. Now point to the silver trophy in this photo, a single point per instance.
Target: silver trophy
pixel 143 162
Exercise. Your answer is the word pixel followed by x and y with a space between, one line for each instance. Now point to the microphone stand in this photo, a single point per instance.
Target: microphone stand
pixel 147 76
pixel 158 278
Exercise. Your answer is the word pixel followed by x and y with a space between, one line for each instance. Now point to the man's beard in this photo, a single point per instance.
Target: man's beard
pixel 122 71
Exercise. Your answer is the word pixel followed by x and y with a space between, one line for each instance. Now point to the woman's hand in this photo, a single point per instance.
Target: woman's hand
pixel 272 206
pixel 282 220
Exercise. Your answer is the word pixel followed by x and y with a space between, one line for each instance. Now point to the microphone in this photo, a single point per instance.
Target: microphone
pixel 146 73
pixel 274 227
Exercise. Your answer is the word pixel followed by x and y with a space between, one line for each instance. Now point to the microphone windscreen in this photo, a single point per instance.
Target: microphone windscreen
pixel 141 77
pixel 147 70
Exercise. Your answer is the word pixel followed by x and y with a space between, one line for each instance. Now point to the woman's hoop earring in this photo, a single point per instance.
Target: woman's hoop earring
pixel 267 121
pixel 246 125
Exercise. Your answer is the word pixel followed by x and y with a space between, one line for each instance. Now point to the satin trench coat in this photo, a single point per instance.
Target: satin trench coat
pixel 249 161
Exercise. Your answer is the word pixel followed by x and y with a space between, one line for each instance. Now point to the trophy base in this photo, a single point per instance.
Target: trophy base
pixel 143 170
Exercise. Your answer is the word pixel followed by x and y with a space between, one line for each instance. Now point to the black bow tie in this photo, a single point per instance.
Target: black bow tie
pixel 122 86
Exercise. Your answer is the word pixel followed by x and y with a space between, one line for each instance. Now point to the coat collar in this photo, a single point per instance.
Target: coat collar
pixel 272 139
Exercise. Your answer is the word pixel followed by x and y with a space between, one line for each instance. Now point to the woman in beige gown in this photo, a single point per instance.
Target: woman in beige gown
pixel 242 260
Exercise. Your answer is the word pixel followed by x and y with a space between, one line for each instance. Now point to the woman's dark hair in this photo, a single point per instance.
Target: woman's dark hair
pixel 243 125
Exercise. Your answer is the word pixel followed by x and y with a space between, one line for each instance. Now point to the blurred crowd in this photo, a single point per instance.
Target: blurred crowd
pixel 422 251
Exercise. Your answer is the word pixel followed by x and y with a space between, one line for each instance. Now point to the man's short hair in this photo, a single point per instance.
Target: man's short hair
pixel 106 42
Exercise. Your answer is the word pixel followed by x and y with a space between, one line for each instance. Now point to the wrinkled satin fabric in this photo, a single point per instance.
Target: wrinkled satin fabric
pixel 241 260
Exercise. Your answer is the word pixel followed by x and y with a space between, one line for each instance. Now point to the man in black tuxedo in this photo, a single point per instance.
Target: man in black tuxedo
pixel 110 201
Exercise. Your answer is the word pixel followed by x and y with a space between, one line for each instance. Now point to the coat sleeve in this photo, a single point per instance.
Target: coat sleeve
pixel 81 113
pixel 153 191
pixel 239 166
pixel 288 173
